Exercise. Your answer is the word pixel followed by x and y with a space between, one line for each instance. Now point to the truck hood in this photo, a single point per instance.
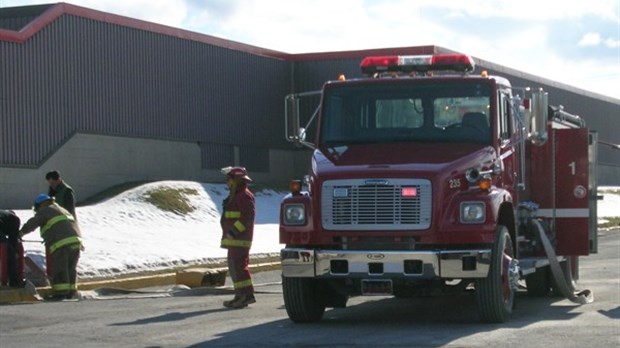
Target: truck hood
pixel 362 159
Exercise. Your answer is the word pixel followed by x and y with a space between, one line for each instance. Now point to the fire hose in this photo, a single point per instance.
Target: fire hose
pixel 566 288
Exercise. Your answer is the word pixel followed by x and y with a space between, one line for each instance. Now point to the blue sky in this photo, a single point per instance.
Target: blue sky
pixel 573 42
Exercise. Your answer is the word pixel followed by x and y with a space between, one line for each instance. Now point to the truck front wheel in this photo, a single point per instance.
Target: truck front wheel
pixel 495 294
pixel 302 299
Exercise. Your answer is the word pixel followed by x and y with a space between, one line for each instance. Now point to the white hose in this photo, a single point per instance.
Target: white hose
pixel 566 288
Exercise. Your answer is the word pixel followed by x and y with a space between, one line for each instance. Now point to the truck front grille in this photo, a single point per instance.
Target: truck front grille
pixel 376 204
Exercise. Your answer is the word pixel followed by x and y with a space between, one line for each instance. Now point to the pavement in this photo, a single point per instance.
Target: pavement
pixel 204 278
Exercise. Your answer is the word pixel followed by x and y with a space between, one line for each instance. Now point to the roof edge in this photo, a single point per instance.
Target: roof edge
pixel 59 9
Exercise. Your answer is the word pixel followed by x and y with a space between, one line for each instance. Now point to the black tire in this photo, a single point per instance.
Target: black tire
pixel 538 283
pixel 569 268
pixel 402 292
pixel 302 299
pixel 495 294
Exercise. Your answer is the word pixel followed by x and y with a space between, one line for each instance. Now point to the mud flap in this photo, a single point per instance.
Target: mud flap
pixel 567 289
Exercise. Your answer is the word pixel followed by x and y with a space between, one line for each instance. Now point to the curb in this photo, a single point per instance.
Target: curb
pixel 20 295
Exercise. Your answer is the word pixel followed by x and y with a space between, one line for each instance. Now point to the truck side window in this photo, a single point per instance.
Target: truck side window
pixel 505 119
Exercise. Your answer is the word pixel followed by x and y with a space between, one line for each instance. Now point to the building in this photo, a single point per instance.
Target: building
pixel 108 99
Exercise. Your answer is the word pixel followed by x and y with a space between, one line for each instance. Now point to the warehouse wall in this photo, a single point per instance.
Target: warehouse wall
pixel 82 75
pixel 91 163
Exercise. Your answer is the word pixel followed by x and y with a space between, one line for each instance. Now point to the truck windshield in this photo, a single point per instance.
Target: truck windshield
pixel 406 111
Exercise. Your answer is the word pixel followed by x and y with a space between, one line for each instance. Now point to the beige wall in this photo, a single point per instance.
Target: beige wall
pixel 91 163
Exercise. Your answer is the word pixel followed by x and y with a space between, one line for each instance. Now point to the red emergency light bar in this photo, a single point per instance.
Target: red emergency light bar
pixel 422 63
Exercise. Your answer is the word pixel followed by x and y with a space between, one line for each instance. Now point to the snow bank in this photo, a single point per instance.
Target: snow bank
pixel 126 234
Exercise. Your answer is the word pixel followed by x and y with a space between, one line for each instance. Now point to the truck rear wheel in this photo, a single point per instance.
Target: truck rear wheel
pixel 495 294
pixel 302 299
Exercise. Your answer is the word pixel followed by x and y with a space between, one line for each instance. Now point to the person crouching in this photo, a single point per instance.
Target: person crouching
pixel 61 235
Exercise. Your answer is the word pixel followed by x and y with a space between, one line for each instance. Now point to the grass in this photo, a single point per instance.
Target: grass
pixel 172 200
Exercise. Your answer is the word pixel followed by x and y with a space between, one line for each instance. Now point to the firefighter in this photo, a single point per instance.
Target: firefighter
pixel 61 235
pixel 237 228
pixel 61 191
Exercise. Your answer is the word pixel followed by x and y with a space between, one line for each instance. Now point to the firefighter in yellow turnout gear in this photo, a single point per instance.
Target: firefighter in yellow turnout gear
pixel 237 231
pixel 61 235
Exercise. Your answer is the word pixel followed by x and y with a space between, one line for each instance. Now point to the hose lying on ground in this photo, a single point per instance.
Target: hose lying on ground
pixel 566 288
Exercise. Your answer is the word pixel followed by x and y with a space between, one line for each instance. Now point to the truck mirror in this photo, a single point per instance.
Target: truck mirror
pixel 291 119
pixel 538 121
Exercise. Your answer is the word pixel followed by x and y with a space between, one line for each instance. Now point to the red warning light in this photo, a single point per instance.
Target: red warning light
pixel 409 192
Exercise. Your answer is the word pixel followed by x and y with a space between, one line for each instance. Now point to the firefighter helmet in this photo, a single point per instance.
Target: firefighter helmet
pixel 236 172
pixel 40 199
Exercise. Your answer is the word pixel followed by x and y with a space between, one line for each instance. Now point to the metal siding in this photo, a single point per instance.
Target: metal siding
pixel 254 159
pixel 15 18
pixel 216 156
pixel 81 75
pixel 15 24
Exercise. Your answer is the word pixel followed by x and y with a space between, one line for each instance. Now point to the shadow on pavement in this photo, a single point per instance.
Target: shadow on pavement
pixel 416 322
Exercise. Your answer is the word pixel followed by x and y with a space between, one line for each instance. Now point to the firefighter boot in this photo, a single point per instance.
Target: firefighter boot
pixel 72 295
pixel 243 301
pixel 228 304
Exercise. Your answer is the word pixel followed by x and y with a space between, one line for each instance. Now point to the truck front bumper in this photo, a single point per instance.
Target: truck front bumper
pixel 449 264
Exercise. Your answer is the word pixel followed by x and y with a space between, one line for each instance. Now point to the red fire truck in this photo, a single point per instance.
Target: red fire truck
pixel 427 178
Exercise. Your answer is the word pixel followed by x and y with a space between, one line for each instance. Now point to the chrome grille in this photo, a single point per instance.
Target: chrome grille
pixel 376 204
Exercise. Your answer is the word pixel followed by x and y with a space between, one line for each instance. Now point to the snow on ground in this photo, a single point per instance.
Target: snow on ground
pixel 609 206
pixel 126 234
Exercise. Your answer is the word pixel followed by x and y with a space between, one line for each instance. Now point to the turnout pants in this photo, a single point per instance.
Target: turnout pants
pixel 15 278
pixel 238 261
pixel 64 273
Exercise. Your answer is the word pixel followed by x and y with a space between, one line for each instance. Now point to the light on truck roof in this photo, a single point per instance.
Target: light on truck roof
pixel 419 63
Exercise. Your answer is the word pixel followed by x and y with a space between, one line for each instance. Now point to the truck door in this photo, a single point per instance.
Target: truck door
pixel 508 150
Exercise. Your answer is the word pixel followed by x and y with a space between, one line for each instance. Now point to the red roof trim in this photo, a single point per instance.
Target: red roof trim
pixel 59 9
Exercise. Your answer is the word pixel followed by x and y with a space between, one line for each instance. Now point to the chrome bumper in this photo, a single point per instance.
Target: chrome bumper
pixel 310 263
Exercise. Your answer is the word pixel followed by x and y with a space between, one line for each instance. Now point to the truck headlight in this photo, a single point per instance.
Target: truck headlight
pixel 473 212
pixel 294 214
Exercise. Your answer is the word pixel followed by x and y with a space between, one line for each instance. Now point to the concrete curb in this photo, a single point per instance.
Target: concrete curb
pixel 11 295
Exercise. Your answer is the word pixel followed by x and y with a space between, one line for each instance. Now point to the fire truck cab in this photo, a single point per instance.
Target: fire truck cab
pixel 426 178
